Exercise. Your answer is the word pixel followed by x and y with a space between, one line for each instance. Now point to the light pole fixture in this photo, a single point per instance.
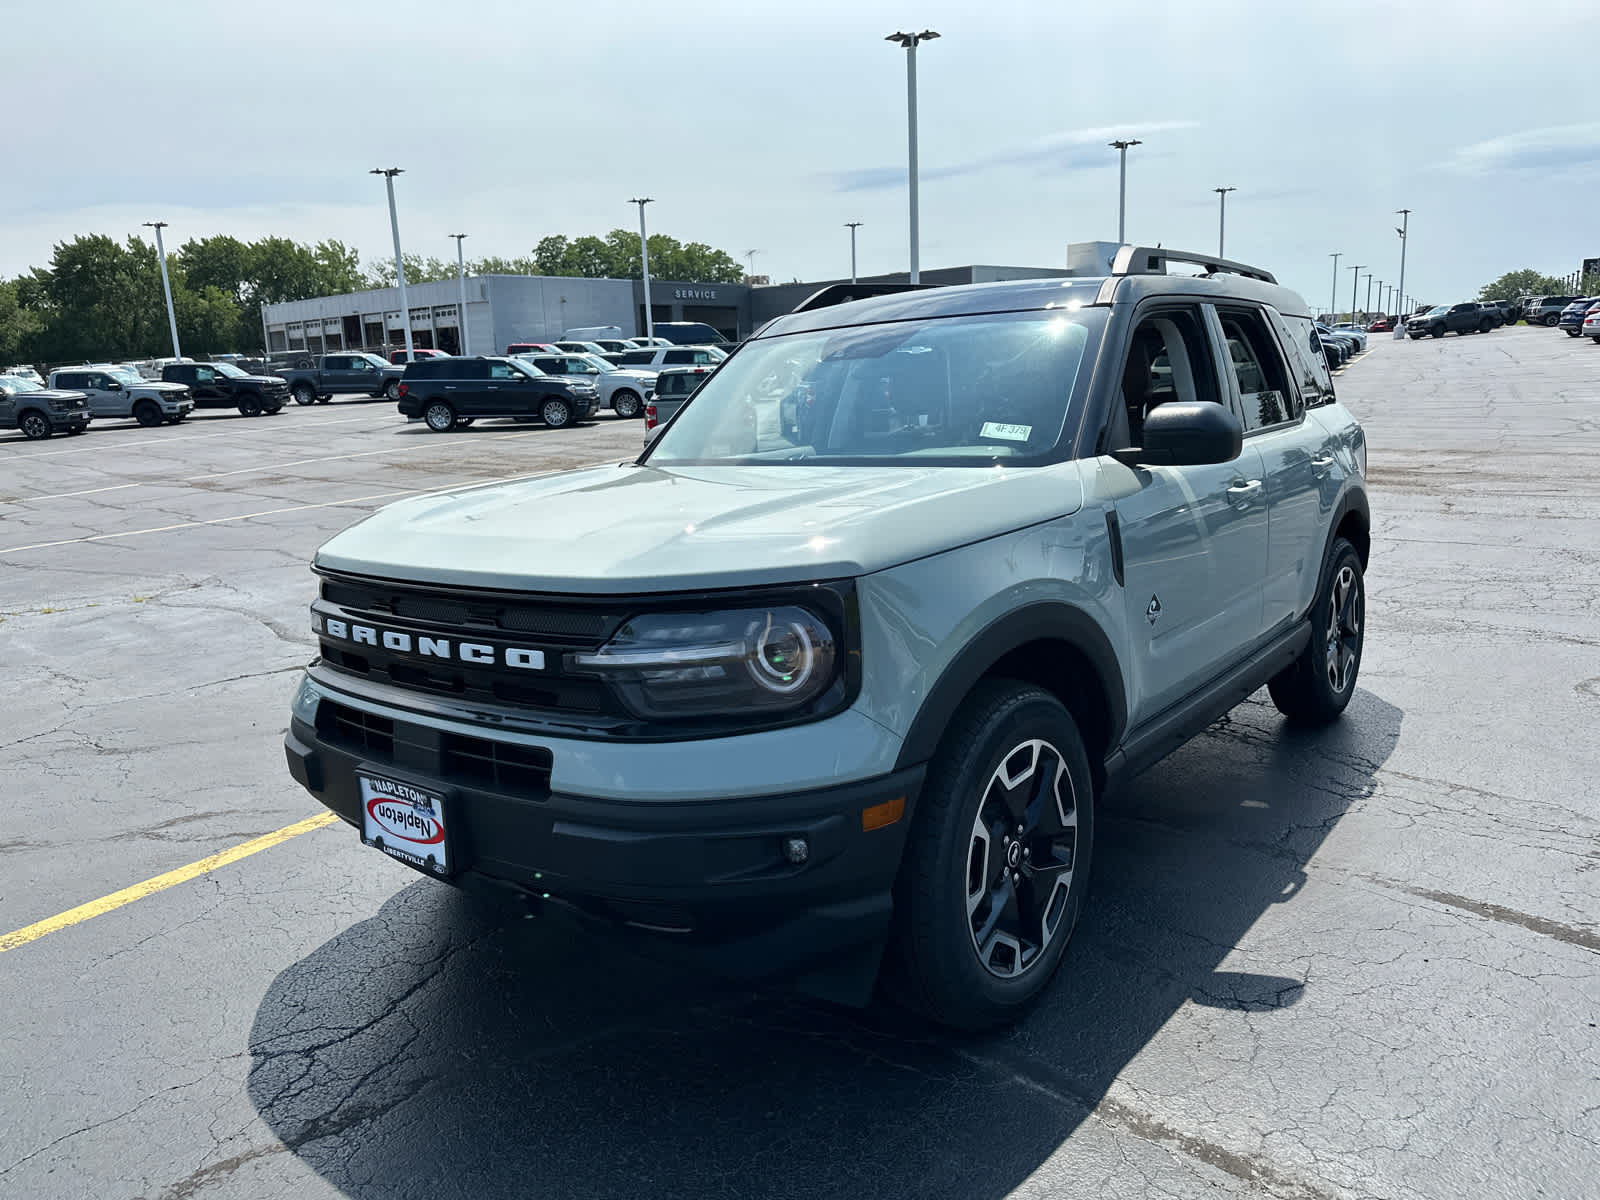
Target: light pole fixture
pixel 399 263
pixel 910 42
pixel 750 258
pixel 1121 147
pixel 1366 310
pixel 1333 293
pixel 1222 214
pixel 853 226
pixel 1405 225
pixel 644 265
pixel 166 286
pixel 461 291
pixel 1355 278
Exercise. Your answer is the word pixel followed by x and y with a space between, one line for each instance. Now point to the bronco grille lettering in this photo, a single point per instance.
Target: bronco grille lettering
pixel 480 654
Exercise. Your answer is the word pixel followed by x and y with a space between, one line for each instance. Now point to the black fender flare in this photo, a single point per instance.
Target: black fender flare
pixel 1354 500
pixel 1046 621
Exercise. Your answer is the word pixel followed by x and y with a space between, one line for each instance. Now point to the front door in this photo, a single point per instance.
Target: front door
pixel 1194 538
pixel 207 388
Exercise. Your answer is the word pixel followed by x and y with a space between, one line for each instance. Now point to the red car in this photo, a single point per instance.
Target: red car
pixel 532 348
pixel 1381 325
pixel 420 353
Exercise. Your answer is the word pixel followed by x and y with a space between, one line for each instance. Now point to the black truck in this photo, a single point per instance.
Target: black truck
pixel 223 385
pixel 336 374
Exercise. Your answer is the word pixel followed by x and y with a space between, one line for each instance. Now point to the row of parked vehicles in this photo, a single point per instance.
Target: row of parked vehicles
pixel 1581 318
pixel 558 383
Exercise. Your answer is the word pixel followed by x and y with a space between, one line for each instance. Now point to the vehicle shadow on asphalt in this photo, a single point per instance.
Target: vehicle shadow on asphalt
pixel 444 1048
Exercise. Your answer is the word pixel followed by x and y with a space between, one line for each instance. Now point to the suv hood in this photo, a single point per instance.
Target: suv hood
pixel 629 529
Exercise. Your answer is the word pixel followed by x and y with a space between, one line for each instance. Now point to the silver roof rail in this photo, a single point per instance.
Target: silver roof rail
pixel 1153 260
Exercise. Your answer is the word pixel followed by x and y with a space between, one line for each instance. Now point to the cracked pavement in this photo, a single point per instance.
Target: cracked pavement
pixel 1358 963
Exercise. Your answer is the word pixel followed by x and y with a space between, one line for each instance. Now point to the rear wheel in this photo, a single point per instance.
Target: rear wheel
pixel 441 418
pixel 35 426
pixel 556 413
pixel 1316 688
pixel 147 413
pixel 1550 320
pixel 997 861
pixel 1484 326
pixel 304 393
pixel 626 403
pixel 1574 333
pixel 392 389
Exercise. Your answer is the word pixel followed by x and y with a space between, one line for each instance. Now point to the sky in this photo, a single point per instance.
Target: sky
pixel 766 127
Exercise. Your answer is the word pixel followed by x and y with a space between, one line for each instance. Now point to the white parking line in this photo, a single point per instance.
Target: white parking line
pixel 271 512
pixel 101 446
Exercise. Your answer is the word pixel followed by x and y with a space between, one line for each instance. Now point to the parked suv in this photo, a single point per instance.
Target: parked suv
pixel 123 392
pixel 1460 319
pixel 810 688
pixel 1546 310
pixel 447 392
pixel 38 411
pixel 673 387
pixel 223 385
pixel 653 358
pixel 1570 320
pixel 616 388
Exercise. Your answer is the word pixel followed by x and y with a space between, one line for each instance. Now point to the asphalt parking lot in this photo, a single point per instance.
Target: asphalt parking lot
pixel 1358 963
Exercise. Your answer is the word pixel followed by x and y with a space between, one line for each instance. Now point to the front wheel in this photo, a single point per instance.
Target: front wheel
pixel 556 413
pixel 35 426
pixel 1318 685
pixel 627 404
pixel 249 406
pixel 441 418
pixel 304 393
pixel 1437 331
pixel 997 861
pixel 147 414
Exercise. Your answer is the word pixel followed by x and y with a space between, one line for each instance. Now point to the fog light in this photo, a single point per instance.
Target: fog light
pixel 796 850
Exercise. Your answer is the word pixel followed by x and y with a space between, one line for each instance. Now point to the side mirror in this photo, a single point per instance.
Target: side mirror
pixel 113 386
pixel 1186 435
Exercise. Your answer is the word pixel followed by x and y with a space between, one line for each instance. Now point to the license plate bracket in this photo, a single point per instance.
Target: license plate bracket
pixel 407 821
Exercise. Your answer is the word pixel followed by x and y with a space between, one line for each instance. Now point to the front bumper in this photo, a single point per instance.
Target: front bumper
pixel 709 878
pixel 76 419
pixel 177 408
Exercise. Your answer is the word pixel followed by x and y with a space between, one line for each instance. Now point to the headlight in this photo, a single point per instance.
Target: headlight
pixel 757 660
pixel 60 404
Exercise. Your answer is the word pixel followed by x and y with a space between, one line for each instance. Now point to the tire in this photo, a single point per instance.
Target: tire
pixel 1437 331
pixel 35 426
pixel 1550 320
pixel 147 414
pixel 392 389
pixel 1315 689
pixel 1596 337
pixel 439 416
pixel 971 948
pixel 304 393
pixel 1574 333
pixel 1485 326
pixel 627 404
pixel 556 413
pixel 250 406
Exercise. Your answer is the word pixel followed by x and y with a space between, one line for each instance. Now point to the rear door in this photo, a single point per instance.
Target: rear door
pixel 467 388
pixel 1194 538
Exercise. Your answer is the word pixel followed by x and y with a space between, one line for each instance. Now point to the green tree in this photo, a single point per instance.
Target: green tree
pixel 418 270
pixel 19 326
pixel 1513 285
pixel 550 255
pixel 209 321
pixel 103 300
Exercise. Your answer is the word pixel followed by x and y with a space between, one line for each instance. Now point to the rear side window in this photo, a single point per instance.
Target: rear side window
pixel 1258 367
pixel 1307 362
pixel 70 381
pixel 631 358
pixel 684 357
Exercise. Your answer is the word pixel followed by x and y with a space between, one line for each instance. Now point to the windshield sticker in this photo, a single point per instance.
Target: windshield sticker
pixel 1005 433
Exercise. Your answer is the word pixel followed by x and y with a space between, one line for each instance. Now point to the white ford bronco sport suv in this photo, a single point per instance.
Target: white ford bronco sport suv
pixel 836 682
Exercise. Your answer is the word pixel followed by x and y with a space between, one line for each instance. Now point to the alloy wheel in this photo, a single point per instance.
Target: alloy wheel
pixel 1345 613
pixel 1020 858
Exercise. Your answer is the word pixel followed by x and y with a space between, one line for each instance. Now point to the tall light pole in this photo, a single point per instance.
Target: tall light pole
pixel 750 257
pixel 1405 226
pixel 461 290
pixel 853 226
pixel 1333 293
pixel 644 265
pixel 166 286
pixel 1355 278
pixel 1222 215
pixel 399 263
pixel 1122 187
pixel 1366 309
pixel 910 41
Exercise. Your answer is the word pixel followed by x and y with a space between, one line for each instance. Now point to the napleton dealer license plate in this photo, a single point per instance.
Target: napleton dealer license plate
pixel 405 821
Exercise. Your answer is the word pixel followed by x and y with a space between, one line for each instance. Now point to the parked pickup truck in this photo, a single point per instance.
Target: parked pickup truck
pixel 115 391
pixel 38 411
pixel 340 373
pixel 223 385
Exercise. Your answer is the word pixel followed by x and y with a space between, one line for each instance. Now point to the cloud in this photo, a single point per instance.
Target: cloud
pixel 1076 149
pixel 1554 146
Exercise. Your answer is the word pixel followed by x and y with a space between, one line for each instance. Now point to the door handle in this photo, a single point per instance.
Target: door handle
pixel 1244 490
pixel 1323 464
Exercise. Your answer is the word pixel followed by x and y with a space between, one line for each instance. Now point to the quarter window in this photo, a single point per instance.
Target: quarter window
pixel 1258 369
pixel 1307 362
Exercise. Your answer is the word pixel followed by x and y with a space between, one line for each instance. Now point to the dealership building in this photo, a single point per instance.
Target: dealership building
pixel 502 309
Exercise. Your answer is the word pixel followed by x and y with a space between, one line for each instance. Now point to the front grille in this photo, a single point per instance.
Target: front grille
pixel 505 766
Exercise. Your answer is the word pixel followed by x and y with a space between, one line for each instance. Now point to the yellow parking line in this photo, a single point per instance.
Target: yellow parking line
pixel 160 883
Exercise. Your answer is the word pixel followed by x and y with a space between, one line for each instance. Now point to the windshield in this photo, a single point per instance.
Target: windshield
pixel 16 383
pixel 1438 310
pixel 599 364
pixel 125 375
pixel 957 391
pixel 229 370
pixel 373 359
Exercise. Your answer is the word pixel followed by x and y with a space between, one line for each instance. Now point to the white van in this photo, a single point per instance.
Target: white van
pixel 590 333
